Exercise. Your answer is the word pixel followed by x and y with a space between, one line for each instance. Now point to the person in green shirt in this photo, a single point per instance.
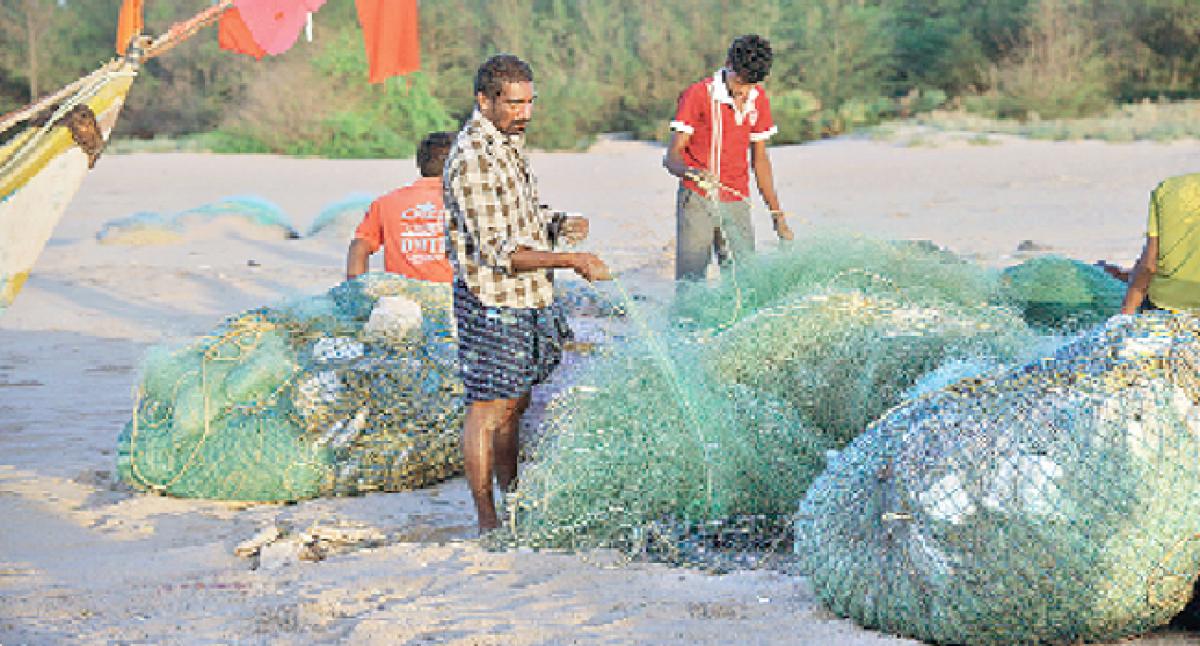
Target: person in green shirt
pixel 1167 275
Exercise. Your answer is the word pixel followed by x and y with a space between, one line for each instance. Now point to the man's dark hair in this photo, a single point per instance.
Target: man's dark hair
pixel 750 57
pixel 431 154
pixel 498 70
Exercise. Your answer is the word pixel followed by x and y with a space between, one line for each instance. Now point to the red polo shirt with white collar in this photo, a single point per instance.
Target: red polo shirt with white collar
pixel 720 134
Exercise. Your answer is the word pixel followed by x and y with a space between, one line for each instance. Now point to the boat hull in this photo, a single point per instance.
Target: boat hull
pixel 43 172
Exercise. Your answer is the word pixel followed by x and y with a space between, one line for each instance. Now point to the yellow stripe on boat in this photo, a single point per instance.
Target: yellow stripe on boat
pixel 35 192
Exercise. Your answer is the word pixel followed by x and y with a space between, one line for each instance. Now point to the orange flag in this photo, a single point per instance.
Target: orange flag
pixel 233 35
pixel 129 24
pixel 390 35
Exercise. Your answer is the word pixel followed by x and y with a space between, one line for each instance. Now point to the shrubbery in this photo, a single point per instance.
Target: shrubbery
pixel 613 66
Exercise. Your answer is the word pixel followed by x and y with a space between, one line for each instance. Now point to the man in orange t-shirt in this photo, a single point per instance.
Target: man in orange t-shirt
pixel 409 222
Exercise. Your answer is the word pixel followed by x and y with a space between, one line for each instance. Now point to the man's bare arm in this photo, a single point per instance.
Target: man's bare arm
pixel 357 258
pixel 673 161
pixel 1143 271
pixel 764 176
pixel 587 265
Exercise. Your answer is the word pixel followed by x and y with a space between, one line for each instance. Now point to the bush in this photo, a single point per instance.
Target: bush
pixel 1057 72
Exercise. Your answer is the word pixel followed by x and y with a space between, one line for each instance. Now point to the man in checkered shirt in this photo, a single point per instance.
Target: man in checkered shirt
pixel 504 247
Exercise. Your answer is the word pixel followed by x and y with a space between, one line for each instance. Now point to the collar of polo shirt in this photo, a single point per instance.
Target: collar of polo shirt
pixel 721 94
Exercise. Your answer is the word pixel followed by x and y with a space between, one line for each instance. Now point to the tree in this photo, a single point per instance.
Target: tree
pixel 844 49
pixel 1058 70
pixel 28 22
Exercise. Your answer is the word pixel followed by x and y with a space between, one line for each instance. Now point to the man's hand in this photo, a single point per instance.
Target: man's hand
pixel 779 220
pixel 704 180
pixel 590 267
pixel 574 230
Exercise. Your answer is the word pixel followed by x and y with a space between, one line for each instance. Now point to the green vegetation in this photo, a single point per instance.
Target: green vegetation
pixel 1146 121
pixel 620 65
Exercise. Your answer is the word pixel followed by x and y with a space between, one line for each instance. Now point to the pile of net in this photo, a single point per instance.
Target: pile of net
pixel 1056 502
pixel 341 218
pixel 841 328
pixel 258 217
pixel 719 410
pixel 1060 294
pixel 350 391
pixel 643 450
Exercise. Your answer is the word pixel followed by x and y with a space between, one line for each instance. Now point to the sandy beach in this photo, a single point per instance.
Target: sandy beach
pixel 83 559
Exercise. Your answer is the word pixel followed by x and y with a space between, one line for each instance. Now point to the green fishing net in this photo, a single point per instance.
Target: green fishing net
pixel 1060 294
pixel 841 358
pixel 1056 502
pixel 826 260
pixel 349 391
pixel 716 410
pixel 642 447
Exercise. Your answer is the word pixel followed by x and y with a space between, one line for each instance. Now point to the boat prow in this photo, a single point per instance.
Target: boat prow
pixel 44 163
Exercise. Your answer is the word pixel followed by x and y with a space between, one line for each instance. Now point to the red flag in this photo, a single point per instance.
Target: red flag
pixel 129 24
pixel 233 35
pixel 390 35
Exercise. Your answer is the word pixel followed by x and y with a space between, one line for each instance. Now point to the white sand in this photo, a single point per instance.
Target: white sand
pixel 82 559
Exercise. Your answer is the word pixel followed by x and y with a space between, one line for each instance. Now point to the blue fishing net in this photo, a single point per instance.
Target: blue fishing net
pixel 341 217
pixel 148 227
pixel 1056 502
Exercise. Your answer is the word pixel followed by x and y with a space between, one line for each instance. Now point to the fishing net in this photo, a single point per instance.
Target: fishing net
pixel 1060 294
pixel 341 218
pixel 826 259
pixel 148 228
pixel 1054 503
pixel 841 358
pixel 350 391
pixel 641 451
pixel 712 417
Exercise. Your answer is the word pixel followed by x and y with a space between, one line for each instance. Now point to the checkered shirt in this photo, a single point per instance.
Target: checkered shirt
pixel 492 209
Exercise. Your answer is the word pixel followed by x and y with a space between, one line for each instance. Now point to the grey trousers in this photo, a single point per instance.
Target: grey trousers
pixel 703 226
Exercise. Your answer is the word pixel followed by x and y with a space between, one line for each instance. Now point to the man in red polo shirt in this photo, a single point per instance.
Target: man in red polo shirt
pixel 409 222
pixel 720 122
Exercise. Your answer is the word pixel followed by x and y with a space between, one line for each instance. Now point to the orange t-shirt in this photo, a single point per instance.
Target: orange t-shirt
pixel 410 224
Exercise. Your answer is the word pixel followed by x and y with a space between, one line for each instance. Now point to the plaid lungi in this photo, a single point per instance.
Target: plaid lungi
pixel 503 352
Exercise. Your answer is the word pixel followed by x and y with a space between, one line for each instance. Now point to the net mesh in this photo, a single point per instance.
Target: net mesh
pixel 148 227
pixel 1060 294
pixel 340 218
pixel 1053 503
pixel 712 417
pixel 350 391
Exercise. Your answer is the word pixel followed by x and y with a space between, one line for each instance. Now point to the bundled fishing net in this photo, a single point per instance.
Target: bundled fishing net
pixel 824 260
pixel 720 413
pixel 341 218
pixel 350 391
pixel 143 228
pixel 841 358
pixel 644 450
pixel 1055 503
pixel 1057 293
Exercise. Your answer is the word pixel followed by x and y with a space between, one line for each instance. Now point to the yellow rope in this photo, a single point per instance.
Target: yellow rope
pixel 257 327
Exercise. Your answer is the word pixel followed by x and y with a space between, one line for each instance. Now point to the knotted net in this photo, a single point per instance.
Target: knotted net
pixel 1053 503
